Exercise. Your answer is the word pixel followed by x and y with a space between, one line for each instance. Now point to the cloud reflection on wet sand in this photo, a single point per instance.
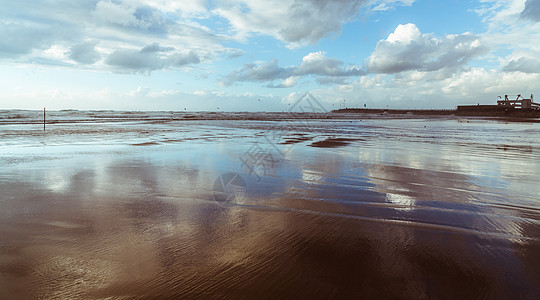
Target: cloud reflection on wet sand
pixel 141 222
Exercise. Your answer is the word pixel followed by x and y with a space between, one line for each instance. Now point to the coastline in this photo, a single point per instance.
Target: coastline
pixel 465 111
pixel 19 117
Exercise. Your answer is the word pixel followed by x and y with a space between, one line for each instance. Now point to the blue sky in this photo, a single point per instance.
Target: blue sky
pixel 228 54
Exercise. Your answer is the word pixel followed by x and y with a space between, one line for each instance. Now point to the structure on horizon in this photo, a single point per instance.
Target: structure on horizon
pixel 505 107
pixel 518 108
pixel 523 103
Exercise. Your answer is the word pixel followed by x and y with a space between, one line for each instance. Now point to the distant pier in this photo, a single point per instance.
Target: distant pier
pixel 397 111
pixel 463 110
pixel 519 108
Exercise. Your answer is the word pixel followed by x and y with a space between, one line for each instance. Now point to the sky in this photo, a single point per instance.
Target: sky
pixel 263 55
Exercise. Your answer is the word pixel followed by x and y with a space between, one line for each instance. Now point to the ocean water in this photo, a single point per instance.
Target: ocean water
pixel 242 205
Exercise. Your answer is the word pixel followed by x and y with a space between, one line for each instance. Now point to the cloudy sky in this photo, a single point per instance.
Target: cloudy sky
pixel 261 55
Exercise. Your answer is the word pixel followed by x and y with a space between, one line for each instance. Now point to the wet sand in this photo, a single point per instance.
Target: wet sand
pixel 412 208
pixel 334 142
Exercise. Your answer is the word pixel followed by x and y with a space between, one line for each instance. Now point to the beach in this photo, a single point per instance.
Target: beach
pixel 223 205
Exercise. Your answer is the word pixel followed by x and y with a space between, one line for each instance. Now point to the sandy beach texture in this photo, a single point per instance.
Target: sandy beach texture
pixel 127 205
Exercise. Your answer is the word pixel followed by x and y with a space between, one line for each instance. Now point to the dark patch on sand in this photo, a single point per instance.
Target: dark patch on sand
pixel 334 142
pixel 172 140
pixel 146 144
pixel 519 148
pixel 296 138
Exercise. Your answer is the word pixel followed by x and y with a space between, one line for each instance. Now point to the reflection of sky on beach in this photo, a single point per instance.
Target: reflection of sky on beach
pixel 402 170
pixel 137 215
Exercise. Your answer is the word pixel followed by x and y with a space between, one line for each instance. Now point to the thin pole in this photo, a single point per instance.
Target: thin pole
pixel 44 119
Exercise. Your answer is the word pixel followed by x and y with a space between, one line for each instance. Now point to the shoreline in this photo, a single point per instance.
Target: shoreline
pixel 19 117
pixel 464 111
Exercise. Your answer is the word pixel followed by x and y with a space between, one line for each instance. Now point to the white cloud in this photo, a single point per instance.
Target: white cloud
pixel 479 82
pixel 257 72
pixel 296 22
pixel 140 91
pixel 291 98
pixel 315 63
pixel 290 81
pixel 523 64
pixel 510 24
pixel 405 34
pixel 18 39
pixel 381 5
pixel 117 13
pixel 287 83
pixel 150 58
pixel 513 27
pixel 85 53
pixel 196 8
pixel 531 10
pixel 408 49
pixel 32 27
pixel 413 89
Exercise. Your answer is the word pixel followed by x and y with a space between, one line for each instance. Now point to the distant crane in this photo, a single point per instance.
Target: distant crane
pixel 523 103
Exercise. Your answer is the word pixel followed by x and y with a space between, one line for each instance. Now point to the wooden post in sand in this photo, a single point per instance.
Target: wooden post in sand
pixel 44 119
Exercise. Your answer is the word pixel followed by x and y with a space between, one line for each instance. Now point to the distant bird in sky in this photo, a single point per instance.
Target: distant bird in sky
pixel 259 99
